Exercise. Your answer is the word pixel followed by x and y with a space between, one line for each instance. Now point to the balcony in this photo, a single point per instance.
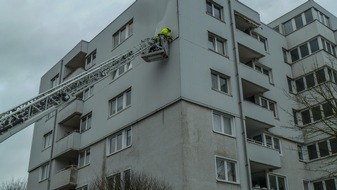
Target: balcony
pixel 260 153
pixel 70 113
pixel 258 113
pixel 65 179
pixel 249 74
pixel 75 58
pixel 249 46
pixel 249 14
pixel 68 145
pixel 74 73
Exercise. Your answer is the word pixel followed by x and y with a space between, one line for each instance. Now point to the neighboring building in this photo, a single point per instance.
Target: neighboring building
pixel 214 115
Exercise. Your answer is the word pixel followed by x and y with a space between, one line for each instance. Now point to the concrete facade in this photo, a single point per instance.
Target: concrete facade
pixel 214 115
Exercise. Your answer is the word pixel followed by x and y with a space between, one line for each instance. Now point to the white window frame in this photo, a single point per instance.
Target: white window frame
pixel 277 181
pixel 261 69
pixel 273 142
pixel 86 122
pixel 47 139
pixel 218 87
pixel 225 165
pixel 222 116
pixel 84 187
pixel 90 60
pixel 128 28
pixel 85 156
pixel 113 103
pixel 215 40
pixel 44 171
pixel 121 70
pixel 87 93
pixel 323 183
pixel 215 5
pixel 55 81
pixel 113 140
pixel 121 175
pixel 261 98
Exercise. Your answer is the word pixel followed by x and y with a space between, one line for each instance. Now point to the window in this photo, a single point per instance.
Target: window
pixel 277 182
pixel 285 55
pixel 47 140
pixel 84 158
pixel 329 47
pixel 304 50
pixel 312 79
pixel 288 27
pixel 322 18
pixel 216 44
pixel 222 124
pixel 294 55
pixel 320 76
pixel 305 117
pixel 328 184
pixel 220 82
pixel 308 16
pixel 91 59
pixel 120 102
pixel 214 10
pixel 120 180
pixel 122 69
pixel 123 33
pixel 314 45
pixel 88 92
pixel 272 142
pixel 300 152
pixel 44 172
pixel 55 81
pixel 119 141
pixel 226 170
pixel 333 145
pixel 86 122
pixel 312 152
pixel 323 148
pixel 268 104
pixel 261 68
pixel 290 84
pixel 298 21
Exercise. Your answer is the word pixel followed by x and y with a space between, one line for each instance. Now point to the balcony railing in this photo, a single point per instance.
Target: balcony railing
pixel 65 178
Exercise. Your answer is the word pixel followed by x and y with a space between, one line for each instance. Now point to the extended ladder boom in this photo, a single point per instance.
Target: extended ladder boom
pixel 19 117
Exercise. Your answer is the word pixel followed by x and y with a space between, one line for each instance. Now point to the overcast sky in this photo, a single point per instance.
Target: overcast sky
pixel 35 34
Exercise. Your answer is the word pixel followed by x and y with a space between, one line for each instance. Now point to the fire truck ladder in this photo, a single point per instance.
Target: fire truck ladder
pixel 20 117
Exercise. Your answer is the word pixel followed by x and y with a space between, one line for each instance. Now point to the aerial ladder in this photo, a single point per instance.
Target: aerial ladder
pixel 27 113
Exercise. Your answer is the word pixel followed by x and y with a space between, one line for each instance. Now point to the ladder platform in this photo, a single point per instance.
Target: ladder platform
pixel 157 52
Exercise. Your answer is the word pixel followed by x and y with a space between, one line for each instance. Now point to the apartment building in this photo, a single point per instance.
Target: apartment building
pixel 217 114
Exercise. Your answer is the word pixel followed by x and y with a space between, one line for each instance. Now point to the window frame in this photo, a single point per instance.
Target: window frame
pixel 117 39
pixel 87 120
pixel 214 5
pixel 126 141
pixel 277 181
pixel 215 41
pixel 114 103
pixel 117 73
pixel 47 139
pixel 90 60
pixel 86 157
pixel 225 167
pixel 44 171
pixel 217 82
pixel 223 130
pixel 88 92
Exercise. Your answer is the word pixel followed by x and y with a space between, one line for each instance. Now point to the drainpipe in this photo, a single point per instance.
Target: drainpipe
pixel 242 119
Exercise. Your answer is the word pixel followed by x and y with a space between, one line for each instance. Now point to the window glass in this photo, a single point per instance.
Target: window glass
pixel 116 39
pixel 320 75
pixel 312 151
pixel 300 152
pixel 294 55
pixel 323 148
pixel 318 186
pixel 119 141
pixel 211 43
pixel 272 182
pixel 231 171
pixel 209 8
pixel 122 34
pixel 130 29
pixel 128 137
pixel 281 183
pixel 217 122
pixel 327 110
pixel 217 12
pixel 316 113
pixel 299 84
pixel 304 50
pixel 112 145
pixel 330 184
pixel 308 16
pixel 269 141
pixel 223 85
pixel 290 86
pixel 285 58
pixel 227 125
pixel 314 45
pixel 305 117
pixel 288 27
pixel 333 145
pixel 113 107
pixel 310 80
pixel 214 81
pixel 120 103
pixel 128 98
pixel 298 21
pixel 220 47
pixel 220 169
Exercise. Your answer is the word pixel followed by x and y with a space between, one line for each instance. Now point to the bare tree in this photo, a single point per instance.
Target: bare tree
pixel 14 184
pixel 316 116
pixel 132 181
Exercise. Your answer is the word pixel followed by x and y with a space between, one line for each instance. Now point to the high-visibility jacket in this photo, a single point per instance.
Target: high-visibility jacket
pixel 165 32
